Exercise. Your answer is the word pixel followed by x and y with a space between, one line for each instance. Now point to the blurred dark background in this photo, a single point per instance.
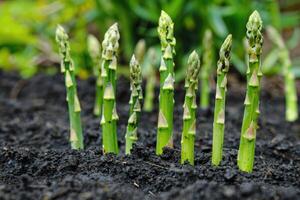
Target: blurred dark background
pixel 27 33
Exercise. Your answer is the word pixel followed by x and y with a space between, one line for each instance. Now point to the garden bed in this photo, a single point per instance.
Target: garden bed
pixel 36 161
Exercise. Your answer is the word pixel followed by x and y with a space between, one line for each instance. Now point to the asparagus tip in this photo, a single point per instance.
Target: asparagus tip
pixel 60 33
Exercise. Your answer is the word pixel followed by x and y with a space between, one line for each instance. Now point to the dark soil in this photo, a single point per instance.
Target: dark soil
pixel 36 161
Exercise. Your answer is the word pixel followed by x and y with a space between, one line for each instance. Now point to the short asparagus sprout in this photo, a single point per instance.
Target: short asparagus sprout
pixel 251 113
pixel 219 113
pixel 291 111
pixel 110 46
pixel 166 97
pixel 135 103
pixel 190 107
pixel 67 68
pixel 206 69
pixel 150 76
pixel 94 49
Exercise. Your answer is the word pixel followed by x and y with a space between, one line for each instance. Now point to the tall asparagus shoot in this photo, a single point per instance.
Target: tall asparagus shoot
pixel 67 68
pixel 135 103
pixel 291 111
pixel 190 107
pixel 219 113
pixel 166 97
pixel 149 74
pixel 95 53
pixel 206 69
pixel 251 113
pixel 110 46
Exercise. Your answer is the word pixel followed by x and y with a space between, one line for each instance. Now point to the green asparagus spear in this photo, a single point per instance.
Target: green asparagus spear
pixel 166 97
pixel 190 106
pixel 291 111
pixel 95 53
pixel 110 46
pixel 251 113
pixel 67 68
pixel 135 104
pixel 150 76
pixel 206 69
pixel 219 113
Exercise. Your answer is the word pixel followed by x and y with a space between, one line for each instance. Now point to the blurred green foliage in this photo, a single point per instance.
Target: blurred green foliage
pixel 27 27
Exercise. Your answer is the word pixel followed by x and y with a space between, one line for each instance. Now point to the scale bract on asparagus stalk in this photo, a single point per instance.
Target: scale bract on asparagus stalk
pixel 95 53
pixel 291 110
pixel 251 113
pixel 166 96
pixel 219 113
pixel 206 69
pixel 67 68
pixel 110 46
pixel 135 103
pixel 190 107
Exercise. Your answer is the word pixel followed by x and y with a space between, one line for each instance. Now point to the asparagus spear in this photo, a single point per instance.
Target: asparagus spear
pixel 94 51
pixel 206 69
pixel 140 50
pixel 291 111
pixel 67 68
pixel 110 46
pixel 166 98
pixel 219 113
pixel 151 57
pixel 135 103
pixel 190 106
pixel 251 113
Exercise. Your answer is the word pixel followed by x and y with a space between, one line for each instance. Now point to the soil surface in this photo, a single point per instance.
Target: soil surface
pixel 36 161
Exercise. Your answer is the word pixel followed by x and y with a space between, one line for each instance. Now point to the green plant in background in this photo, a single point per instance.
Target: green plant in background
pixel 67 68
pixel 110 46
pixel 166 96
pixel 95 53
pixel 150 76
pixel 219 113
pixel 135 103
pixel 205 73
pixel 291 112
pixel 251 113
pixel 190 107
pixel 140 50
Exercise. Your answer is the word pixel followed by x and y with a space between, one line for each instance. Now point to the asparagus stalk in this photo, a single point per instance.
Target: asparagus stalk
pixel 135 103
pixel 166 97
pixel 190 106
pixel 95 53
pixel 291 112
pixel 67 68
pixel 140 50
pixel 206 69
pixel 219 113
pixel 150 79
pixel 109 118
pixel 251 113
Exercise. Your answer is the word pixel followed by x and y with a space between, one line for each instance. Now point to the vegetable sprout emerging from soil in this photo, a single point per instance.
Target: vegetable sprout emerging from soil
pixel 219 113
pixel 95 53
pixel 206 69
pixel 135 103
pixel 291 111
pixel 110 46
pixel 149 74
pixel 251 113
pixel 166 98
pixel 67 68
pixel 190 107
